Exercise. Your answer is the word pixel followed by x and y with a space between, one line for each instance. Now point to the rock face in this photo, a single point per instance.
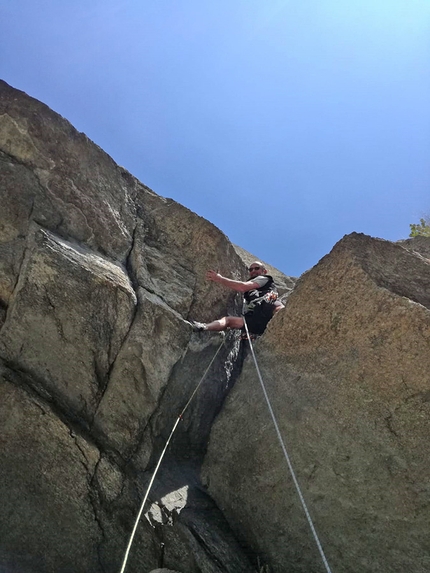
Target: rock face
pixel 347 367
pixel 98 277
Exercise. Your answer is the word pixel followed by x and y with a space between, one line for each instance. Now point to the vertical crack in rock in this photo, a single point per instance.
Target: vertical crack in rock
pixel 212 556
pixel 95 501
pixel 92 492
pixel 128 261
pixel 3 313
pixel 165 511
pixel 148 426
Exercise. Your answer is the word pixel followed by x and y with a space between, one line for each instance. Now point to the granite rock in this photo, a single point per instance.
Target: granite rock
pixel 347 368
pixel 99 277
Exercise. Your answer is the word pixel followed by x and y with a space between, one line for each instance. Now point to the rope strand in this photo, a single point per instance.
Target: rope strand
pixel 287 457
pixel 139 515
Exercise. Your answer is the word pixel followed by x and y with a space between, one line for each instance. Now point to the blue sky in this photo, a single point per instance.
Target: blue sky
pixel 287 124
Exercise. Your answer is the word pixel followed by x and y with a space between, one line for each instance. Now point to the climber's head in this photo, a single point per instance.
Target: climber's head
pixel 257 268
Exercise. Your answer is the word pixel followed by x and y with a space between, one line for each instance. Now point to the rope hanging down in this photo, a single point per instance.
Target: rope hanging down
pixel 287 457
pixel 139 515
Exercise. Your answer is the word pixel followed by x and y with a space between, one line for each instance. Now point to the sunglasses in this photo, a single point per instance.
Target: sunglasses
pixel 254 269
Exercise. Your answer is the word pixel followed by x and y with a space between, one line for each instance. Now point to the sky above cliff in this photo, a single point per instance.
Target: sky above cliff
pixel 286 124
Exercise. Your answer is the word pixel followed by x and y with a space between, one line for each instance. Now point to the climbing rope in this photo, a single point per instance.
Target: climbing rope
pixel 287 457
pixel 139 515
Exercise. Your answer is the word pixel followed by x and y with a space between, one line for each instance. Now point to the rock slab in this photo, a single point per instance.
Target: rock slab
pixel 347 369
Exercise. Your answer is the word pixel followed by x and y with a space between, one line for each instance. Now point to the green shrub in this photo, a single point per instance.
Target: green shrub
pixel 423 229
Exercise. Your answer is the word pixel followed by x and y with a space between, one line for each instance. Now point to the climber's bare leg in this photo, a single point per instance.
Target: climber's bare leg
pixel 225 323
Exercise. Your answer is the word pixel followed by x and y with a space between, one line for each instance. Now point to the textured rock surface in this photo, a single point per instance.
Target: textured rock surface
pixel 59 491
pixel 98 275
pixel 347 365
pixel 70 313
pixel 163 571
pixel 418 245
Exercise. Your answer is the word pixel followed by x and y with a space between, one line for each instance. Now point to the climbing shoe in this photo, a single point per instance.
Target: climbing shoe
pixel 198 326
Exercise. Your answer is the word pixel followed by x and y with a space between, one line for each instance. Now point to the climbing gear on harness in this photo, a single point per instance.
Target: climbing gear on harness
pixel 266 294
pixel 259 306
pixel 250 336
pixel 287 457
pixel 180 416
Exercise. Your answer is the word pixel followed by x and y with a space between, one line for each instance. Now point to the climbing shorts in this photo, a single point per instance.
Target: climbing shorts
pixel 258 319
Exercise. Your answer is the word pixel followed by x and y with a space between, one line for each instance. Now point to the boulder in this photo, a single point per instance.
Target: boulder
pixel 346 367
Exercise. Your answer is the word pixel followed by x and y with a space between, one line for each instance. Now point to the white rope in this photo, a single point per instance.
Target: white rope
pixel 287 457
pixel 139 515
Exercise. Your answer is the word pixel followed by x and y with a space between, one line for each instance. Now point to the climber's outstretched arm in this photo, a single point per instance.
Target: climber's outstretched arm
pixel 238 286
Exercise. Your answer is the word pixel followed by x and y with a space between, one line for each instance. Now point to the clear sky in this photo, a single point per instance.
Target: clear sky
pixel 286 123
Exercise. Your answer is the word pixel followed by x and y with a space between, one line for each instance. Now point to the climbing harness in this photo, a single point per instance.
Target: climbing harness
pixel 139 515
pixel 287 457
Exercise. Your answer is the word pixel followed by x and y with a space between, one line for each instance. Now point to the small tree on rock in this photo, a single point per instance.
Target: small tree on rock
pixel 422 229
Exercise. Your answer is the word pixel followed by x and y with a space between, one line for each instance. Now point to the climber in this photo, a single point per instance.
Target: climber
pixel 260 301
